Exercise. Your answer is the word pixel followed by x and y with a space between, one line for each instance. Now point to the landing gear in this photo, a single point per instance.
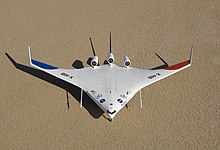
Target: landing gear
pixel 67 100
pixel 81 98
pixel 110 120
pixel 140 100
pixel 126 105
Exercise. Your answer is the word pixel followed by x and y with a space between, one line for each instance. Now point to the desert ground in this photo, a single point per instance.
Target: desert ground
pixel 179 112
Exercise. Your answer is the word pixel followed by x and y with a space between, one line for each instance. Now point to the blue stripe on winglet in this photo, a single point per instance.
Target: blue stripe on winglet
pixel 42 65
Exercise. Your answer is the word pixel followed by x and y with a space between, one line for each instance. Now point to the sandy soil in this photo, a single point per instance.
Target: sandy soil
pixel 179 112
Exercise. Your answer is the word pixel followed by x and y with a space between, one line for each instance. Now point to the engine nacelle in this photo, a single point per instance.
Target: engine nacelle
pixel 127 61
pixel 110 58
pixel 94 61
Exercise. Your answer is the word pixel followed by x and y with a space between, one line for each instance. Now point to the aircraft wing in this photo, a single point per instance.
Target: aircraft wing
pixel 68 75
pixel 151 76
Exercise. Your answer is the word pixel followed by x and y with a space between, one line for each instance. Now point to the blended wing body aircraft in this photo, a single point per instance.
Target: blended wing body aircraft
pixel 111 87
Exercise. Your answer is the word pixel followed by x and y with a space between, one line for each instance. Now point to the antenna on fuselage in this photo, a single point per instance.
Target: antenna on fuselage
pixel 110 43
pixel 110 58
pixel 93 50
pixel 95 60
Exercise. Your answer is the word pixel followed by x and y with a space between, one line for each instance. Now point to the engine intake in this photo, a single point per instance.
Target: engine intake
pixel 127 61
pixel 110 58
pixel 94 61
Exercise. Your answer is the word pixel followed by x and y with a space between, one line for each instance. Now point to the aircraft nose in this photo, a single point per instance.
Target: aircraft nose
pixel 111 113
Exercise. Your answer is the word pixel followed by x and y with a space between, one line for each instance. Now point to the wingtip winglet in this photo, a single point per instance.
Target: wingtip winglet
pixel 38 64
pixel 29 52
pixel 191 55
pixel 182 64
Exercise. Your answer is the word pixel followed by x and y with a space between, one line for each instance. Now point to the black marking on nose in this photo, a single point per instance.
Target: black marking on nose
pixel 111 112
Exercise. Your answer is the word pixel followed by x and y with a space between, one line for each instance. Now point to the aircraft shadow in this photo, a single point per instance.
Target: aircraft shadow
pixel 75 91
pixel 78 64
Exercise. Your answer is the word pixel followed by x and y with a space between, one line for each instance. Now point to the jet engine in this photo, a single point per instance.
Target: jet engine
pixel 94 61
pixel 110 58
pixel 127 61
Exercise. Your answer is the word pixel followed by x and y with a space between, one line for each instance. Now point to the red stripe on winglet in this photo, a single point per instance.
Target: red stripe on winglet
pixel 178 66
